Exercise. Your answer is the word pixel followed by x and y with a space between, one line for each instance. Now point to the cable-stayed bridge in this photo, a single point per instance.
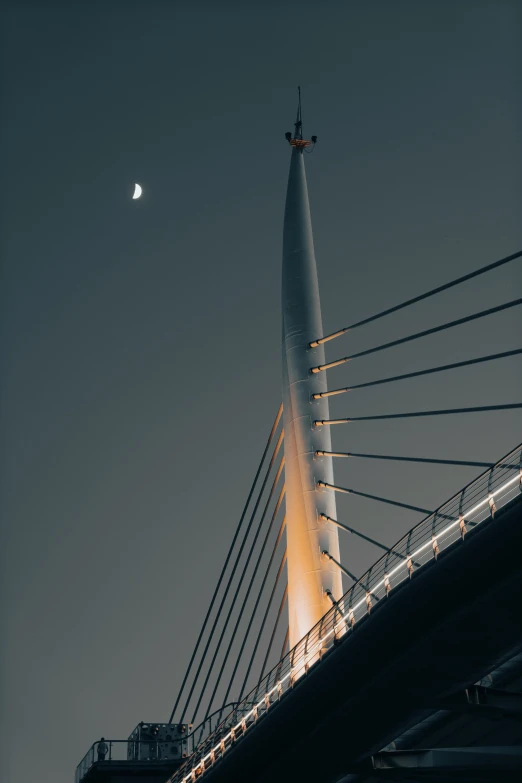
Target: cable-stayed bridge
pixel 414 671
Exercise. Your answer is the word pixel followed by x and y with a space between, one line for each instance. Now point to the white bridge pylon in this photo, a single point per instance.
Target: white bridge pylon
pixel 310 575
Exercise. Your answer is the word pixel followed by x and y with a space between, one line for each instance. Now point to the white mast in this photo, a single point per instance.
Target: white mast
pixel 309 574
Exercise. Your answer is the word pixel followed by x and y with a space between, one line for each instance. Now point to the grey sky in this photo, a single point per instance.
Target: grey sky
pixel 141 340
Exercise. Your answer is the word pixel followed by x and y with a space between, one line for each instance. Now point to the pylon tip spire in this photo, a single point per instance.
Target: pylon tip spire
pixel 298 125
pixel 297 139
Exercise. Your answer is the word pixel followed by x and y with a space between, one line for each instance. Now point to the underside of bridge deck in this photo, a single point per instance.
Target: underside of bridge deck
pixel 409 662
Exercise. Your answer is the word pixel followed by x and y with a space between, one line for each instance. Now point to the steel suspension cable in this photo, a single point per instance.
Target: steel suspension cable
pixel 415 299
pixel 234 599
pixel 267 610
pixel 442 368
pixel 285 644
pixel 418 335
pixel 284 649
pixel 355 532
pixel 201 727
pixel 254 611
pixel 334 603
pixel 258 599
pixel 231 577
pixel 223 570
pixel 460 462
pixel 329 592
pixel 279 613
pixel 362 535
pixel 415 414
pixel 356 580
pixel 327 554
pixel 347 491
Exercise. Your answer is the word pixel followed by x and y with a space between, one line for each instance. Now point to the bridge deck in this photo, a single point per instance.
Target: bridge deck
pixel 456 620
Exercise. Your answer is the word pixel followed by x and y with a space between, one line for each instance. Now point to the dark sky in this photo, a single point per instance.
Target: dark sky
pixel 141 340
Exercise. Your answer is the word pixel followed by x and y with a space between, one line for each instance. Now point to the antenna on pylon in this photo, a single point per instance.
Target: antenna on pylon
pixel 298 125
pixel 297 139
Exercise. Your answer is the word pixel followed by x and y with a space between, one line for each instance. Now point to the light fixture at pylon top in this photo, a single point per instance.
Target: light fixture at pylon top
pixel 299 143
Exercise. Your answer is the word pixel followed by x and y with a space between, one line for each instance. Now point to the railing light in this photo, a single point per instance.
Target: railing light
pixel 350 617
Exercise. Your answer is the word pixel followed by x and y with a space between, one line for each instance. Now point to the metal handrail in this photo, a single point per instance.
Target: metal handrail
pixel 475 503
pixel 91 757
pixel 208 720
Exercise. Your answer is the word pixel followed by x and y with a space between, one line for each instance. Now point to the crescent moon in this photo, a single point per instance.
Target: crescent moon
pixel 137 191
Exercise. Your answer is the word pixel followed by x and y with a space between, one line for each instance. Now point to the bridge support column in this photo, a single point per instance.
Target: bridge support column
pixel 309 574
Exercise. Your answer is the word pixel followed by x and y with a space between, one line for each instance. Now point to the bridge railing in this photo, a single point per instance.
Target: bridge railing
pixel 114 751
pixel 476 503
